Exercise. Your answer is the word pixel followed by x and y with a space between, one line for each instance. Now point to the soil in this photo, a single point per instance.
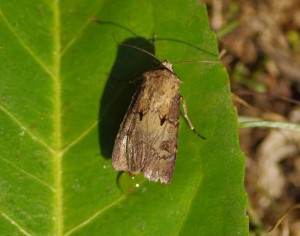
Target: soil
pixel 261 41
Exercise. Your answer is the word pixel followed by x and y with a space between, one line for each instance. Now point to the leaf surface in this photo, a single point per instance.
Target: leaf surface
pixel 64 89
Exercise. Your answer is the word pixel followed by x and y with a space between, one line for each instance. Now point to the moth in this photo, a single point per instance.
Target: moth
pixel 148 136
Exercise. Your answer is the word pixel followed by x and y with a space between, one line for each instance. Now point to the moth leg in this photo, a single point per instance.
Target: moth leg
pixel 188 119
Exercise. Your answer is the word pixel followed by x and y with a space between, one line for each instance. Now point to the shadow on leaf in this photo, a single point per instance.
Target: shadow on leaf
pixel 129 65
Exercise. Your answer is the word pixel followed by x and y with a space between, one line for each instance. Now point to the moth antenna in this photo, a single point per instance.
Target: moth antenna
pixel 205 61
pixel 142 50
pixel 154 44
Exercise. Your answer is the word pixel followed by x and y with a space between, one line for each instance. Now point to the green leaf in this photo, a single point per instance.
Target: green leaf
pixel 64 89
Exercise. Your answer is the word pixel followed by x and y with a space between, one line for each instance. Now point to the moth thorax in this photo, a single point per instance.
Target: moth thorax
pixel 168 65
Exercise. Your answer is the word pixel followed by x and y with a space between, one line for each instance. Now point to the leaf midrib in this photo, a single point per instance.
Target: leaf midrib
pixel 57 155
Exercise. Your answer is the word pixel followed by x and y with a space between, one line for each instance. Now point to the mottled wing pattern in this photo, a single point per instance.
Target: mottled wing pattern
pixel 147 140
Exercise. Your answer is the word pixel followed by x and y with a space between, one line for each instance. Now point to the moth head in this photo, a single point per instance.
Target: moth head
pixel 168 65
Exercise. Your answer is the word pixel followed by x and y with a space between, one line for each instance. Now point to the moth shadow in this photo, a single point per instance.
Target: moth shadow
pixel 121 85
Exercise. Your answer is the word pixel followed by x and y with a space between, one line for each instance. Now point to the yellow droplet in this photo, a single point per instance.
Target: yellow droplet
pixel 129 184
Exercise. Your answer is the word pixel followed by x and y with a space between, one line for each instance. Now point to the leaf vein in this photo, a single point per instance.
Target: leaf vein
pixel 24 45
pixel 24 128
pixel 78 33
pixel 80 137
pixel 9 219
pixel 28 174
pixel 95 215
pixel 57 129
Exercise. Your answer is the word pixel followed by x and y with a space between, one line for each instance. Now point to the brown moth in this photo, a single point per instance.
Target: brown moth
pixel 148 135
pixel 147 139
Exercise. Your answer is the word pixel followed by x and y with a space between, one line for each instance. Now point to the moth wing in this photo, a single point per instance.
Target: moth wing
pixel 147 145
pixel 126 151
pixel 147 142
pixel 161 148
